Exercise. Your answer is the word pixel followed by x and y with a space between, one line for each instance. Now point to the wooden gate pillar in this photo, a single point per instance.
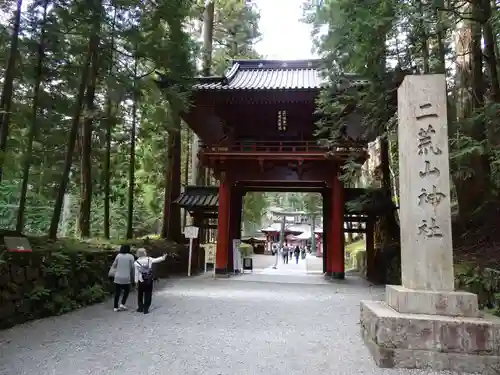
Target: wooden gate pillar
pixel 336 224
pixel 222 249
pixel 238 214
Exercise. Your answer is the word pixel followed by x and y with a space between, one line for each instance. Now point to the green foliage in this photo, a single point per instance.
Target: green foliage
pixel 307 202
pixel 93 294
pixel 152 34
pixel 138 40
pixel 37 217
pixel 254 205
pixel 312 202
pixel 381 41
pixel 483 282
pixel 236 30
pixel 55 280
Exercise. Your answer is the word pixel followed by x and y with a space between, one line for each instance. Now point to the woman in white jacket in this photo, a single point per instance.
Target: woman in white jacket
pixel 144 277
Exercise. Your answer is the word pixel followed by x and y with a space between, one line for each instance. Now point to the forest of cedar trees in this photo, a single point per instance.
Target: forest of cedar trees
pixel 91 148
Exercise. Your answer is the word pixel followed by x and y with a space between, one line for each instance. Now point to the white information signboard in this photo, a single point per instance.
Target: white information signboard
pixel 210 255
pixel 190 232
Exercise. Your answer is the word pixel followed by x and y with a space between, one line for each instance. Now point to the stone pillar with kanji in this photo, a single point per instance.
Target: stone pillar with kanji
pixel 424 323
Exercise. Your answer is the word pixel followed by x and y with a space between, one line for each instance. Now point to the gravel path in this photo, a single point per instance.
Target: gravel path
pixel 251 324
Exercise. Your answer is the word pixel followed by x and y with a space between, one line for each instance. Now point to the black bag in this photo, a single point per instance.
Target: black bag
pixel 146 272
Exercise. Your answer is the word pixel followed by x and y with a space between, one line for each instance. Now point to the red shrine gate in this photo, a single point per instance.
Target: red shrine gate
pixel 256 125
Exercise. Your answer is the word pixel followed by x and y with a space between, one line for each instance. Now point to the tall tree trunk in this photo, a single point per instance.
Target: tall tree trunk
pixel 198 173
pixel 107 164
pixel 109 120
pixel 489 51
pixel 424 38
pixel 440 36
pixel 186 171
pixel 208 36
pixel 387 235
pixel 169 168
pixel 34 118
pixel 131 172
pixel 6 99
pixel 75 122
pixel 474 190
pixel 171 228
pixel 195 161
pixel 477 57
pixel 175 229
pixel 86 139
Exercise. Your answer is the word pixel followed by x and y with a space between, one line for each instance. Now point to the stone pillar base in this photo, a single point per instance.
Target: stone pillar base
pixel 409 301
pixel 335 275
pixel 338 275
pixel 437 342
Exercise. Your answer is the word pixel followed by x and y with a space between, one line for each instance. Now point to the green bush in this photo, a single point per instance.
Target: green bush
pixel 67 274
pixel 52 281
pixel 485 282
pixel 246 250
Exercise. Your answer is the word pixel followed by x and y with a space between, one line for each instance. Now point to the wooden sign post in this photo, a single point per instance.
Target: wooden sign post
pixel 190 232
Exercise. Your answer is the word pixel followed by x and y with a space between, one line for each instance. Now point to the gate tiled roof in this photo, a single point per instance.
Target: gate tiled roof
pixel 199 198
pixel 254 75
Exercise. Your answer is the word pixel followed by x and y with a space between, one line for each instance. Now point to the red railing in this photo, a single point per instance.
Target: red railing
pixel 299 147
pixel 267 147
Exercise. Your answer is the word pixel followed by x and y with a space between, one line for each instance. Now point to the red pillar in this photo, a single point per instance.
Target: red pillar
pixel 326 245
pixel 329 231
pixel 337 229
pixel 222 250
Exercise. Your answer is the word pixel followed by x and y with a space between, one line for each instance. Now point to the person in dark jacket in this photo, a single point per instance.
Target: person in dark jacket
pixel 297 254
pixel 303 253
pixel 284 252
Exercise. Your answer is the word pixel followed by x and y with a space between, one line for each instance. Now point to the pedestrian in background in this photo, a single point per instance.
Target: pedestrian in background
pixel 296 252
pixel 284 252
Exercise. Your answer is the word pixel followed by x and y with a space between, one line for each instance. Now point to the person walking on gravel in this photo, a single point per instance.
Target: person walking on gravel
pixel 296 252
pixel 284 252
pixel 144 277
pixel 123 273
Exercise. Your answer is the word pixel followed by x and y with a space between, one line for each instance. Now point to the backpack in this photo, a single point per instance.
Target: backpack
pixel 146 272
